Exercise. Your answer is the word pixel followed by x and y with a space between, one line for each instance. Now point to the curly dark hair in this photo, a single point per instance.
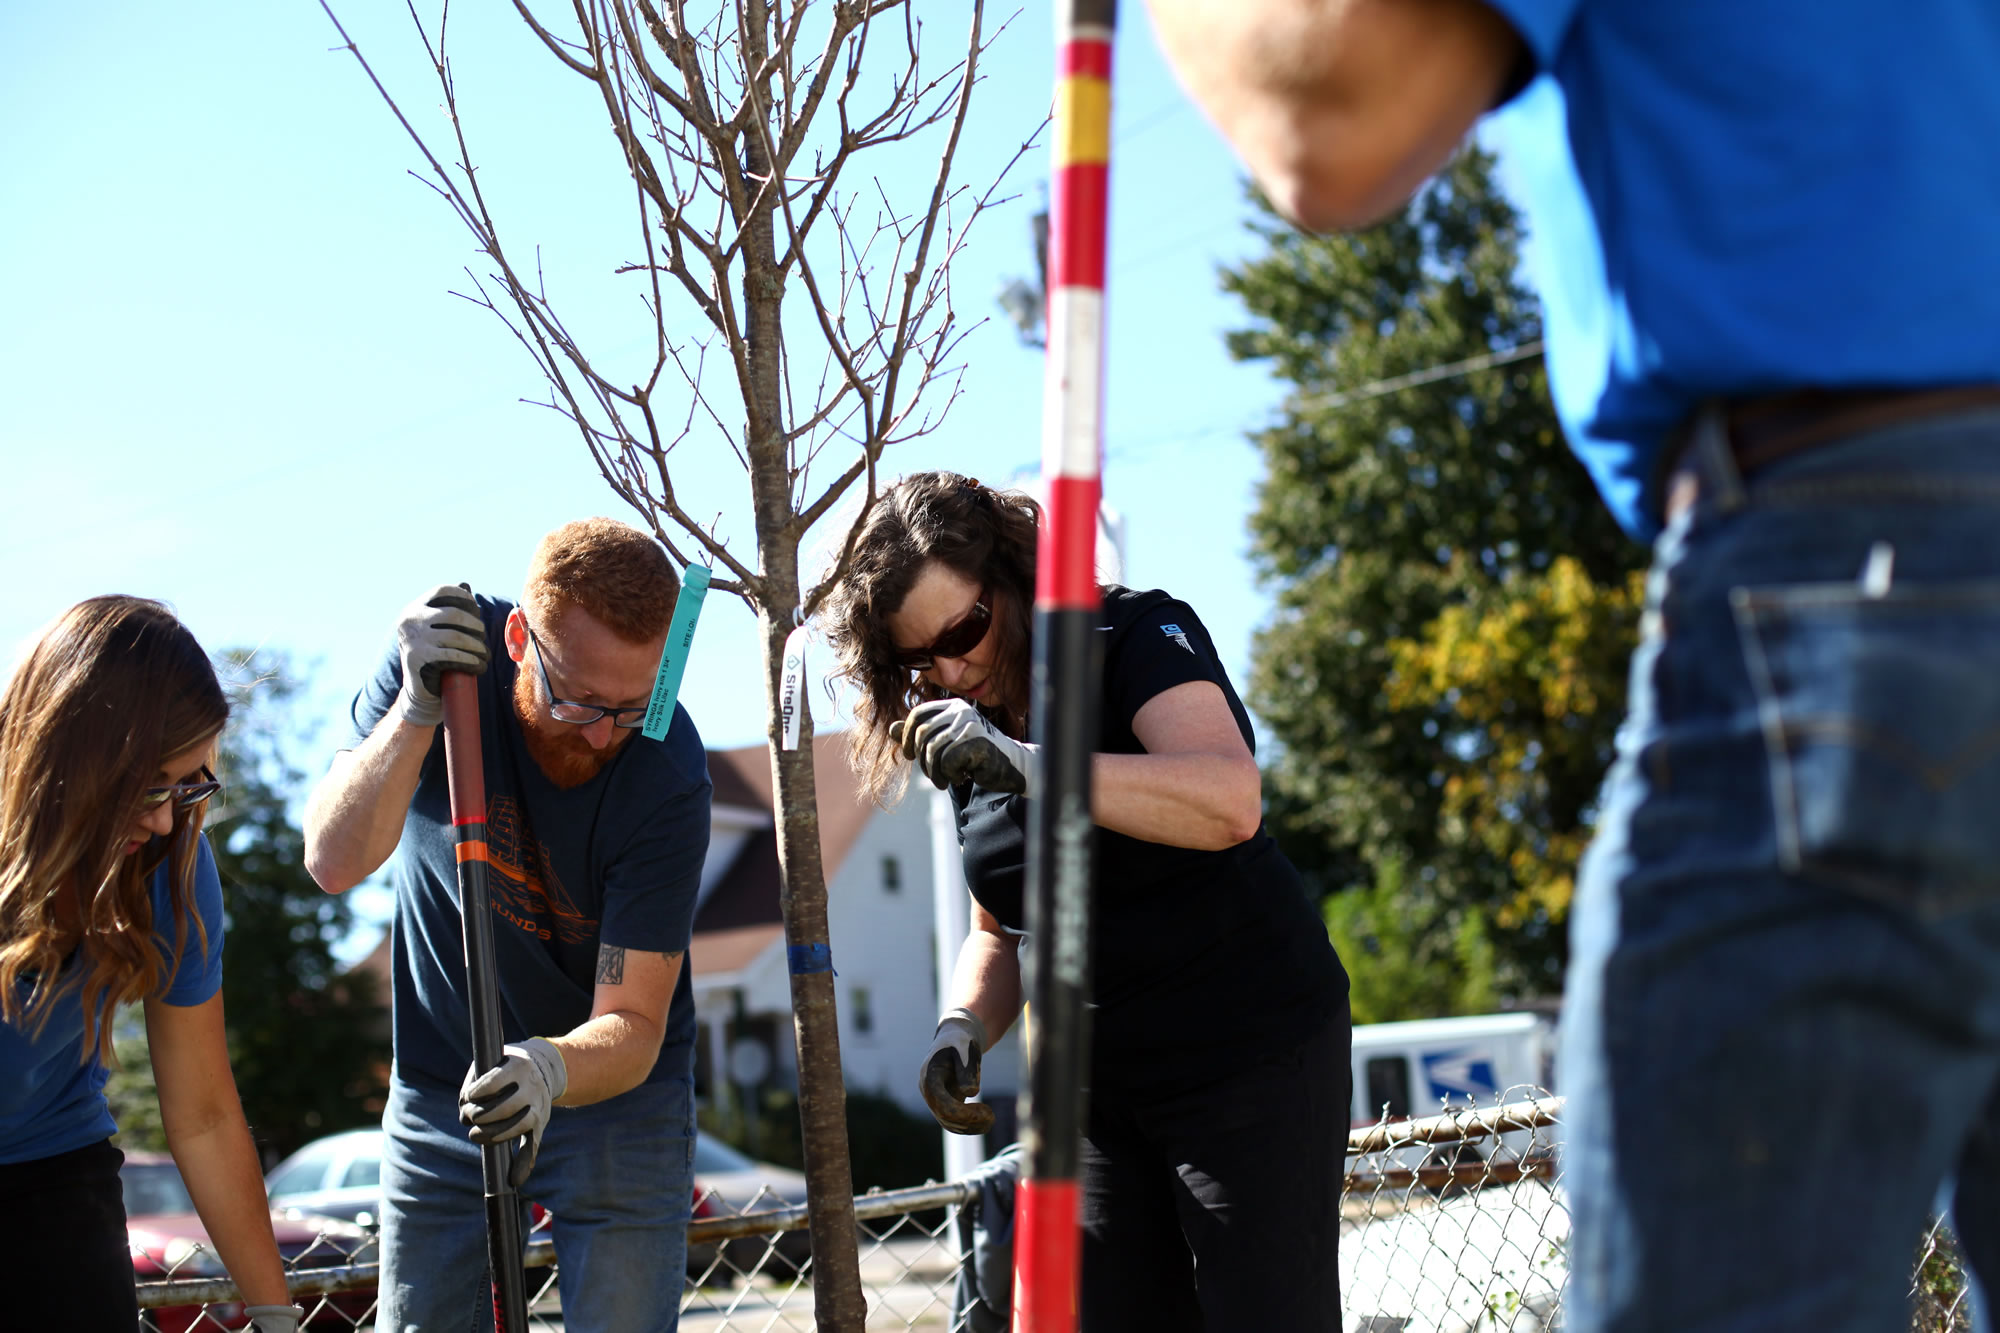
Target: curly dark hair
pixel 985 536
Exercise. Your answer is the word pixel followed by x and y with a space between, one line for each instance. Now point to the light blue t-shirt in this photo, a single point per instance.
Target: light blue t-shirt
pixel 1731 199
pixel 51 1089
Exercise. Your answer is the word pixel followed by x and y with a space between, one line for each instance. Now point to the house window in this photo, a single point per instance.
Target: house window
pixel 892 875
pixel 864 1010
pixel 1388 1083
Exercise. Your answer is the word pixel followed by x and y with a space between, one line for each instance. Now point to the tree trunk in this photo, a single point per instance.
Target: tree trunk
pixel 838 1303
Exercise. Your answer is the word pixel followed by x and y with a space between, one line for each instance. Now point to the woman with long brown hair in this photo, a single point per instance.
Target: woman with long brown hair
pixel 1219 1063
pixel 109 896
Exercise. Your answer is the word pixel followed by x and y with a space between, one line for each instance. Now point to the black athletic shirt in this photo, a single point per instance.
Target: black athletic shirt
pixel 1203 960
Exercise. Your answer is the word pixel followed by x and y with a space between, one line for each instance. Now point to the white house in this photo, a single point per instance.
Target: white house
pixel 878 867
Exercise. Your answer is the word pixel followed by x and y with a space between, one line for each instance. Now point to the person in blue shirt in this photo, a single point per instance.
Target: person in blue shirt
pixel 596 837
pixel 1765 235
pixel 109 896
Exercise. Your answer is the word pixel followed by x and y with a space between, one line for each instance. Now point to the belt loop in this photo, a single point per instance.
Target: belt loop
pixel 1713 457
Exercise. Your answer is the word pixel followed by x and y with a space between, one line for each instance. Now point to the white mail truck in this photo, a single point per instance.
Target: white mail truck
pixel 1410 1070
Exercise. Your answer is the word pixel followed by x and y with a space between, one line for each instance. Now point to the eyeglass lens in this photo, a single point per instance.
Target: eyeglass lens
pixel 562 710
pixel 183 794
pixel 956 641
pixel 580 714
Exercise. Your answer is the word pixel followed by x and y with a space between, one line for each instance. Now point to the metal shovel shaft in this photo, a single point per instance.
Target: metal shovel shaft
pixel 465 769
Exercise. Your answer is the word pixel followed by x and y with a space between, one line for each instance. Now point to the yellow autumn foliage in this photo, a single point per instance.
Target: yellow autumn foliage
pixel 1517 668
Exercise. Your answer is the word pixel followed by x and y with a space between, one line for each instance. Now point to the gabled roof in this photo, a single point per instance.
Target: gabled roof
pixel 728 772
pixel 742 916
pixel 728 951
pixel 748 893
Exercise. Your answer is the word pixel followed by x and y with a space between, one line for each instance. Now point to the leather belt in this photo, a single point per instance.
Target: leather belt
pixel 1761 431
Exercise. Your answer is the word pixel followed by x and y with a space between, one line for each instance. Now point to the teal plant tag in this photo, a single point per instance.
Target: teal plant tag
pixel 673 662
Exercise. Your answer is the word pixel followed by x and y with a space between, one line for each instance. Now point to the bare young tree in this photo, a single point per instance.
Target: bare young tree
pixel 739 129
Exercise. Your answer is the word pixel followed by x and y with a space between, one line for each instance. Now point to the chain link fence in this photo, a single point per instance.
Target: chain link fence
pixel 1458 1223
pixel 1939 1291
pixel 1454 1223
pixel 749 1267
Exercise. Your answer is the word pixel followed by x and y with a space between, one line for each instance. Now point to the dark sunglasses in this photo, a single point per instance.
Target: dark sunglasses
pixel 582 715
pixel 956 641
pixel 182 794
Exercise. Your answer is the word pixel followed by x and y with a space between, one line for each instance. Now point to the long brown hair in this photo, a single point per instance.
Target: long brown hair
pixel 107 693
pixel 986 537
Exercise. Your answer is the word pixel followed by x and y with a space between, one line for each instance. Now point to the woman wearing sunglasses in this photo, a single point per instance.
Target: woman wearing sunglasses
pixel 109 895
pixel 1219 1060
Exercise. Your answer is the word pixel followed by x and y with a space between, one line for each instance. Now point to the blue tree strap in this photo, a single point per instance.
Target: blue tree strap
pixel 805 959
pixel 673 661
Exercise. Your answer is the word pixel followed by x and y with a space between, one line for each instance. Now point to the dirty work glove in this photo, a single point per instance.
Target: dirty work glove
pixel 951 1074
pixel 513 1098
pixel 274 1318
pixel 952 743
pixel 440 633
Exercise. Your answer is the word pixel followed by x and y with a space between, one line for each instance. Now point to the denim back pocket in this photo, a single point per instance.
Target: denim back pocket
pixel 1881 720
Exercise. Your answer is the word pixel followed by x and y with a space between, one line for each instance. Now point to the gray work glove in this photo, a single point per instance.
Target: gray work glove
pixel 951 1074
pixel 952 742
pixel 513 1099
pixel 274 1318
pixel 439 633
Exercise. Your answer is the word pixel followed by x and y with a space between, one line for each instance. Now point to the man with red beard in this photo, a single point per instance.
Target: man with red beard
pixel 596 837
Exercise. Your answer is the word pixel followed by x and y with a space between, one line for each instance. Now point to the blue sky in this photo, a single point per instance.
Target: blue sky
pixel 232 376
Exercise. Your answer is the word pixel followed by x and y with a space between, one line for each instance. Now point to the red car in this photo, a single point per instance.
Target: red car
pixel 168 1242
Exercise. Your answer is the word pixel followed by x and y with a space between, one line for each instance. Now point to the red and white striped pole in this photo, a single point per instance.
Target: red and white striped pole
pixel 1048 1234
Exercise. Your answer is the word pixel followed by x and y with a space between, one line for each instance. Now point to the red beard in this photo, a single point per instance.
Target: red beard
pixel 559 748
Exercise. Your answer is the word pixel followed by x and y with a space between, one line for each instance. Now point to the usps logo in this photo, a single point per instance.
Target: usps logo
pixel 1174 632
pixel 1460 1076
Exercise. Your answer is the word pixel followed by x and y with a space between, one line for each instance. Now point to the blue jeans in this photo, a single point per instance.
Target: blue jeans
pixel 618 1178
pixel 1781 1035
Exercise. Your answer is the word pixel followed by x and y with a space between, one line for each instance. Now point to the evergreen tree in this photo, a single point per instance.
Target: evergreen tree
pixel 1444 671
pixel 1393 974
pixel 308 1043
pixel 135 1102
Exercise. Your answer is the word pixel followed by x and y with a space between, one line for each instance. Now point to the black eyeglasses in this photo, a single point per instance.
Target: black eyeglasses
pixel 183 794
pixel 563 710
pixel 956 641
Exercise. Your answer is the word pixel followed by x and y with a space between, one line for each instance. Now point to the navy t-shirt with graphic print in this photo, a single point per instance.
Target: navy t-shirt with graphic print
pixel 616 860
pixel 1202 960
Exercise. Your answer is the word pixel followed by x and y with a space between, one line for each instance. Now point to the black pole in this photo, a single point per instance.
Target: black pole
pixel 465 770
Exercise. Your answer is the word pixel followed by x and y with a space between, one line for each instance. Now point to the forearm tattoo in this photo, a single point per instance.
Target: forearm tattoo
pixel 611 963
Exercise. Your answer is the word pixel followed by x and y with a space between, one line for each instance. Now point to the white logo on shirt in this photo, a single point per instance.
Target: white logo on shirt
pixel 1174 632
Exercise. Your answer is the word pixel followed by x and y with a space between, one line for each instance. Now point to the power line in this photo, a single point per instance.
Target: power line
pixel 1164 112
pixel 1429 375
pixel 1173 248
pixel 1374 389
